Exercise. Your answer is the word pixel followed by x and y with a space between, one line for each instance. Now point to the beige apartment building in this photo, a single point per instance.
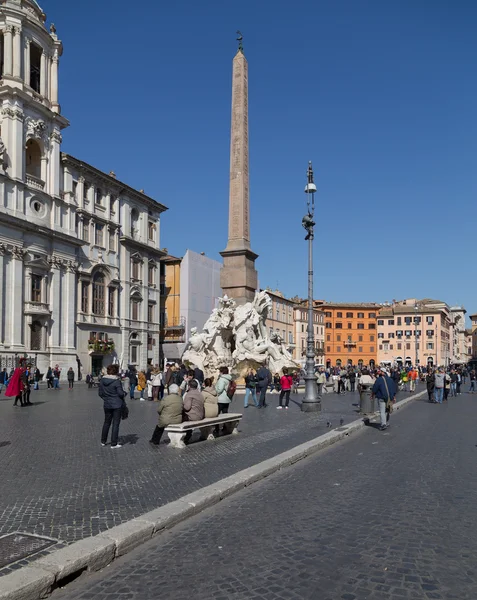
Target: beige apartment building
pixel 415 330
pixel 280 319
pixel 301 330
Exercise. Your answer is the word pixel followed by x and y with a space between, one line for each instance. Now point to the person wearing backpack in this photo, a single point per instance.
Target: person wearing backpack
pixel 223 389
pixel 286 382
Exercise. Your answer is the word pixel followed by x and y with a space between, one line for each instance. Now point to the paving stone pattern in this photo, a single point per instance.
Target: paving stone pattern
pixel 382 516
pixel 58 481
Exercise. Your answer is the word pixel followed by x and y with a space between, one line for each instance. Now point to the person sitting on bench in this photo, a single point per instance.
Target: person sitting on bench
pixel 170 413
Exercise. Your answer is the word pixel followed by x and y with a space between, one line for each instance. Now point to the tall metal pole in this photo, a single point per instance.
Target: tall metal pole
pixel 311 401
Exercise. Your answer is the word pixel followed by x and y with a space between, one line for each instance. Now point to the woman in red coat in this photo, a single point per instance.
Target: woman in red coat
pixel 15 386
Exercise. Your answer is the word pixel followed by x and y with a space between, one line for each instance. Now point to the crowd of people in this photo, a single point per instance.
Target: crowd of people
pixel 190 397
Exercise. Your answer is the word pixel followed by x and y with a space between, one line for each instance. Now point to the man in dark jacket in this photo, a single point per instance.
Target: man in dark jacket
pixel 112 393
pixel 199 375
pixel 385 392
pixel 264 380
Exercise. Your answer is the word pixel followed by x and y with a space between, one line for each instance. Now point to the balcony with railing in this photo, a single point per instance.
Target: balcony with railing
pixel 177 323
pixel 34 182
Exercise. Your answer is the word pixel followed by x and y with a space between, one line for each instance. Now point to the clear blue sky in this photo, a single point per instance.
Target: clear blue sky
pixel 381 96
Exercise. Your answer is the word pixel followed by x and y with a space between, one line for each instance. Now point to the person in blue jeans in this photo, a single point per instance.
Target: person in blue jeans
pixel 472 382
pixel 439 386
pixel 112 393
pixel 251 388
pixel 132 383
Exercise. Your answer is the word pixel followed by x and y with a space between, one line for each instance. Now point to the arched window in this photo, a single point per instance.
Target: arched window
pixel 36 336
pixel 98 294
pixel 33 158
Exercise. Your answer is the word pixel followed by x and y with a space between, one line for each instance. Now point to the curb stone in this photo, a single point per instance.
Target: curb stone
pixel 37 580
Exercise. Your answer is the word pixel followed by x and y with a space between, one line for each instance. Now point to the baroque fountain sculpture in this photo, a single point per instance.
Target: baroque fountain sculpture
pixel 236 337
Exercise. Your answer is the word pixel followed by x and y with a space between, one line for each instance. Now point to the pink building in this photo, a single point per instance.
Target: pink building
pixel 415 331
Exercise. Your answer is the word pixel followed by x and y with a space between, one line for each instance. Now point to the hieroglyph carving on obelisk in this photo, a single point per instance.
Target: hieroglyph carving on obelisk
pixel 238 277
pixel 239 200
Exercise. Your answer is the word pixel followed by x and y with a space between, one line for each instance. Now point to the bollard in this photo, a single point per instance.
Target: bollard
pixel 366 403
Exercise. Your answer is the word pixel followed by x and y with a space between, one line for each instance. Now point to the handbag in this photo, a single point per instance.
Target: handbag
pixel 124 411
pixel 389 402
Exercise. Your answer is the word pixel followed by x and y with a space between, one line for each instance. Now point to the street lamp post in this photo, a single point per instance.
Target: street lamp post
pixel 311 401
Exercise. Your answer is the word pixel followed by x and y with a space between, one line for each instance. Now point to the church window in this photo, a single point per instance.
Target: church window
pixel 36 288
pixel 33 159
pixel 151 231
pixel 134 222
pixel 98 294
pixel 36 337
pixel 35 67
pixel 133 354
pixel 135 268
pixel 135 306
pixel 150 313
pixel 86 231
pixel 112 236
pixel 151 274
pixel 99 196
pixel 85 297
pixel 99 235
pixel 111 301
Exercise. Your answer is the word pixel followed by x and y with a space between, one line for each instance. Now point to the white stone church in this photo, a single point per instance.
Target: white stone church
pixel 79 250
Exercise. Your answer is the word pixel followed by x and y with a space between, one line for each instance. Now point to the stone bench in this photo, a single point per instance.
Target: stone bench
pixel 177 433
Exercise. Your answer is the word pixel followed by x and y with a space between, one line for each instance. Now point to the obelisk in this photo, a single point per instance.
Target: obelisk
pixel 238 277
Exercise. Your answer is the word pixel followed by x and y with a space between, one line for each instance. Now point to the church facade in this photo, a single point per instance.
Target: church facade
pixel 79 250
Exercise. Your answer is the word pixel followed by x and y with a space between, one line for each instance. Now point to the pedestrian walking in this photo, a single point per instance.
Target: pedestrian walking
pixel 439 386
pixel 458 383
pixel 264 380
pixel 352 380
pixel 320 381
pixel 157 385
pixel 36 379
pixel 3 379
pixel 453 385
pixel 132 382
pixel 141 384
pixel 383 390
pixel 112 393
pixel 286 382
pixel 472 381
pixel 70 375
pixel 49 378
pixel 251 381
pixel 430 385
pixel 447 385
pixel 413 377
pixel 56 378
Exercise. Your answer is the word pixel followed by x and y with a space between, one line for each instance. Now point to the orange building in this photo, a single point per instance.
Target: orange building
pixel 351 335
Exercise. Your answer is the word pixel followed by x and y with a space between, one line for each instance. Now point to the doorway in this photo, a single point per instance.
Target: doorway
pixel 96 365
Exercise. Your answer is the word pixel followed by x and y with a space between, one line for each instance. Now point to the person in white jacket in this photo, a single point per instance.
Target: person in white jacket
pixel 157 384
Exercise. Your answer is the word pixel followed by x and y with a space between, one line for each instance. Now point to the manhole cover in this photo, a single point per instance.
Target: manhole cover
pixel 16 546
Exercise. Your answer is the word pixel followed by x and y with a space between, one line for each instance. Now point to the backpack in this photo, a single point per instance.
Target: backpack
pixel 231 389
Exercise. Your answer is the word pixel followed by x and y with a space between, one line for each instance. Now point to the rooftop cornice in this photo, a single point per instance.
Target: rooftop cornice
pixel 113 182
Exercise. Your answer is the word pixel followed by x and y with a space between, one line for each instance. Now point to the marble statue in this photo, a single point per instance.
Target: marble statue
pixel 237 338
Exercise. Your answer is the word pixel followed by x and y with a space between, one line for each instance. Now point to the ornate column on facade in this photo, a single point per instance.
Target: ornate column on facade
pixel 80 192
pixel 8 50
pixel 69 308
pixel 54 163
pixel 26 60
pixel 55 303
pixel 54 80
pixel 15 292
pixel 3 250
pixel 43 74
pixel 17 52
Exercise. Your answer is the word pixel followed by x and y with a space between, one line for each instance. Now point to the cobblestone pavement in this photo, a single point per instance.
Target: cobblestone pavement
pixel 58 481
pixel 382 516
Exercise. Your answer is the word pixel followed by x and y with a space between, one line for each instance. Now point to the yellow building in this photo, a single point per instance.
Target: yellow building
pixel 172 324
